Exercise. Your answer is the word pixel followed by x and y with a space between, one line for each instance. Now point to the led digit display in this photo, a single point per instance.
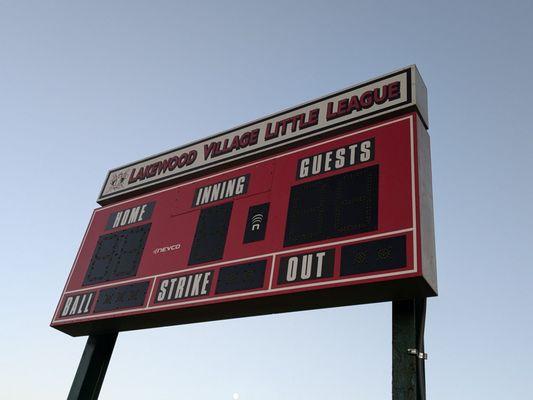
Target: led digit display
pixel 337 206
pixel 240 277
pixel 120 297
pixel 211 232
pixel 377 255
pixel 117 255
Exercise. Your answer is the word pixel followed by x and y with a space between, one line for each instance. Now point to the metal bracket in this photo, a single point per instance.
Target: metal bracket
pixel 408 356
pixel 415 352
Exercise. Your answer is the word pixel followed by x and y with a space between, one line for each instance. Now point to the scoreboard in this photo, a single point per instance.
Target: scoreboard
pixel 342 220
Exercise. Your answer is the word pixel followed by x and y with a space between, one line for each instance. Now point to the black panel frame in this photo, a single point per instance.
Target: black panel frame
pixel 374 256
pixel 251 235
pixel 121 256
pixel 240 277
pixel 320 209
pixel 121 297
pixel 211 232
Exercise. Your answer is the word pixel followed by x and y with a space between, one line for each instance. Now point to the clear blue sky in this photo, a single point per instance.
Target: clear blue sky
pixel 86 86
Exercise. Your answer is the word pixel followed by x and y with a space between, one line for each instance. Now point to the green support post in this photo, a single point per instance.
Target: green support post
pixel 408 356
pixel 92 368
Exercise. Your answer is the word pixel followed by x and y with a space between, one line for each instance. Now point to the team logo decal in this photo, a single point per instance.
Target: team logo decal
pixel 118 180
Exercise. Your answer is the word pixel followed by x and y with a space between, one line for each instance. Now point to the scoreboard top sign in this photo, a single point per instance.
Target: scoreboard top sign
pixel 339 213
pixel 398 91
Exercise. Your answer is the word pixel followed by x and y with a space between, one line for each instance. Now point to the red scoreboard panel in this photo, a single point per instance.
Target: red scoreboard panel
pixel 342 221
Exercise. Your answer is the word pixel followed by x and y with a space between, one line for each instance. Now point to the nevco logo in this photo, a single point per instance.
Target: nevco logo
pixel 165 249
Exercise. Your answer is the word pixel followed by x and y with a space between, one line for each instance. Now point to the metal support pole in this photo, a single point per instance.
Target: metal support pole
pixel 92 368
pixel 408 370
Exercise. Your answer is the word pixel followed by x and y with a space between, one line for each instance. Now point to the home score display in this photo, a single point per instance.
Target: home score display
pixel 342 219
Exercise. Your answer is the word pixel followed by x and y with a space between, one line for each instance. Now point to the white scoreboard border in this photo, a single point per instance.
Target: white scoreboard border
pixel 262 256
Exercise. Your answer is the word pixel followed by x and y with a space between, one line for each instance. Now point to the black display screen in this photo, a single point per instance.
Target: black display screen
pixel 240 277
pixel 117 255
pixel 378 255
pixel 341 205
pixel 211 232
pixel 119 297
